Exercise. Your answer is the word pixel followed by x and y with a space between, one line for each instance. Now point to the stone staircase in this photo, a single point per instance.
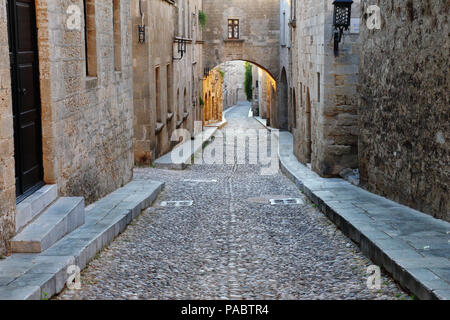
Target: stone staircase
pixel 40 275
pixel 43 219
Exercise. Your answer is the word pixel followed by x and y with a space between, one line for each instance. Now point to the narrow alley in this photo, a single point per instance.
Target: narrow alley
pixel 224 150
pixel 231 243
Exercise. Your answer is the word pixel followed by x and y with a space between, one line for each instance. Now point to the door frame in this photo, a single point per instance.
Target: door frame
pixel 12 35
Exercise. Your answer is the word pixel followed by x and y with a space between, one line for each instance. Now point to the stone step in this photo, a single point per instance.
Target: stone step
pixel 61 218
pixel 32 206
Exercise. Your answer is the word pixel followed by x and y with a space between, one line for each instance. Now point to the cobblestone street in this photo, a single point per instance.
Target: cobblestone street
pixel 231 243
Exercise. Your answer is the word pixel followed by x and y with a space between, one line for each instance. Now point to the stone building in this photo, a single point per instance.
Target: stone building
pixel 404 105
pixel 282 113
pixel 247 31
pixel 266 87
pixel 324 87
pixel 212 97
pixel 167 73
pixel 233 86
pixel 242 30
pixel 66 111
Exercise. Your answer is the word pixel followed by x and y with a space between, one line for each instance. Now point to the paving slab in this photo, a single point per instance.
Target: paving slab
pixel 41 275
pixel 412 246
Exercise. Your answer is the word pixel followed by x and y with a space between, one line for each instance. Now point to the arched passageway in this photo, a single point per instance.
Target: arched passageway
pixel 239 81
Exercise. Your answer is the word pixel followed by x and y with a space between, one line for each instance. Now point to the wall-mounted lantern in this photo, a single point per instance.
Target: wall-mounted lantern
pixel 181 44
pixel 141 27
pixel 341 21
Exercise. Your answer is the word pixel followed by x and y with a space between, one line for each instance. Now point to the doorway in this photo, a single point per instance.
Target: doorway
pixel 23 55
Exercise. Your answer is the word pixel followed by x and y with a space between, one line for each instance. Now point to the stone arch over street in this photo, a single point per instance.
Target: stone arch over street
pixel 257 40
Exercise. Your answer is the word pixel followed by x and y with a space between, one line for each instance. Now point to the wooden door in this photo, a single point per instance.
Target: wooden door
pixel 25 96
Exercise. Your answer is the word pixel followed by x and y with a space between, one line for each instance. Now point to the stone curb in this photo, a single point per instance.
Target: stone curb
pixel 263 122
pixel 41 276
pixel 395 256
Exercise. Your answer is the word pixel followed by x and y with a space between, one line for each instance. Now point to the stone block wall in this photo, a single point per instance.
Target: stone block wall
pixel 267 90
pixel 213 97
pixel 87 120
pixel 282 113
pixel 7 180
pixel 327 124
pixel 233 87
pixel 259 40
pixel 404 105
pixel 171 102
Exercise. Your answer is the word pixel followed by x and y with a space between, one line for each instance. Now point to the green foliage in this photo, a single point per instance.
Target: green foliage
pixel 202 18
pixel 248 83
pixel 222 73
pixel 200 100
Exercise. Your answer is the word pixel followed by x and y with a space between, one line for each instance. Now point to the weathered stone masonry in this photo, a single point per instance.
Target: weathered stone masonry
pixel 326 133
pixel 166 88
pixel 87 121
pixel 259 40
pixel 404 105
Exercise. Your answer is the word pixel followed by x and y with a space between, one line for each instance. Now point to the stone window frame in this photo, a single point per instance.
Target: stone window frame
pixel 232 23
pixel 90 39
pixel 158 94
pixel 318 86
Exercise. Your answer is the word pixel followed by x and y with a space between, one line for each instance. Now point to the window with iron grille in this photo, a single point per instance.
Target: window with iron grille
pixel 233 28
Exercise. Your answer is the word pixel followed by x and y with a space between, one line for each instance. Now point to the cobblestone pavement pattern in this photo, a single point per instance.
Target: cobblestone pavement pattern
pixel 231 243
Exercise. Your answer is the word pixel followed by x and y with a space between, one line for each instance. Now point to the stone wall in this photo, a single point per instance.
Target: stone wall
pixel 87 126
pixel 87 120
pixel 7 181
pixel 280 114
pixel 259 40
pixel 404 105
pixel 327 126
pixel 233 86
pixel 267 89
pixel 171 102
pixel 212 96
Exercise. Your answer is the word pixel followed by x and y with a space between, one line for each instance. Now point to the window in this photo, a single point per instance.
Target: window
pixel 117 36
pixel 294 107
pixel 90 38
pixel 301 95
pixel 169 89
pixel 318 86
pixel 233 29
pixel 157 96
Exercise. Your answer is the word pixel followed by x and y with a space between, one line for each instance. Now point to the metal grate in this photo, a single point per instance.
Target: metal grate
pixel 183 203
pixel 285 202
